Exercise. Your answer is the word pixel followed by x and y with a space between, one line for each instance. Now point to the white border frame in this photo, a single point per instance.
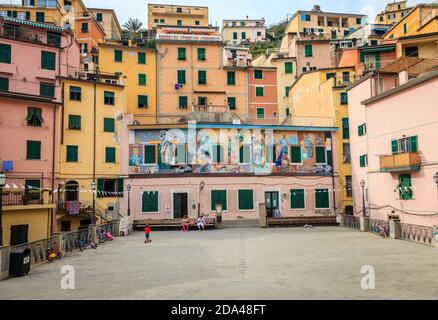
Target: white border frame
pixel 228 200
pixel 305 200
pixel 253 200
pixel 329 198
pixel 301 150
pixel 144 154
pixel 326 158
pixel 141 202
pixel 178 191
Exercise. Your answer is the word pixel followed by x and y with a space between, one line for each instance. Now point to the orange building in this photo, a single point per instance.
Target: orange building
pixel 263 96
pixel 89 33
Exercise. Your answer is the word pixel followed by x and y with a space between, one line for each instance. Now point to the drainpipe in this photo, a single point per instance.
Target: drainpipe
pixel 93 221
pixel 53 226
pixel 333 171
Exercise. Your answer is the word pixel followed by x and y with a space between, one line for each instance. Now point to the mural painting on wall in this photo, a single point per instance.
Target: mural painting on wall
pixel 208 151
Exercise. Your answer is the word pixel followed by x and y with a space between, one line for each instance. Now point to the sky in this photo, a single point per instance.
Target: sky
pixel 273 11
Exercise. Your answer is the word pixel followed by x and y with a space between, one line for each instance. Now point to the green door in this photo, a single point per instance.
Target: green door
pixel 272 203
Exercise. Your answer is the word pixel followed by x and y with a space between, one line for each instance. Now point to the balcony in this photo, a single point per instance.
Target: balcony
pixel 188 38
pixel 400 162
pixel 10 198
pixel 50 4
pixel 30 35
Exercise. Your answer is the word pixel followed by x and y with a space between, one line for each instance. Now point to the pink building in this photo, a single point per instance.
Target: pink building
pixel 393 148
pixel 33 57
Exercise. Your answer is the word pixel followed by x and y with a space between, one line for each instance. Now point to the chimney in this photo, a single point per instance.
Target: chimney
pixel 316 8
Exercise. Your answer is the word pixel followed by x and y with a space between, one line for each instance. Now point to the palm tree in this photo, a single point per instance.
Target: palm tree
pixel 133 27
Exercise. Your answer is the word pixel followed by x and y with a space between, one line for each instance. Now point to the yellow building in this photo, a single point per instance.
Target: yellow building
pixel 394 12
pixel 331 25
pixel 90 150
pixel 38 10
pixel 176 15
pixel 286 75
pixel 138 66
pixel 107 18
pixel 320 95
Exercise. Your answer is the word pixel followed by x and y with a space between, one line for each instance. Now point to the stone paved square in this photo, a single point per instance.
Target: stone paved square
pixel 247 263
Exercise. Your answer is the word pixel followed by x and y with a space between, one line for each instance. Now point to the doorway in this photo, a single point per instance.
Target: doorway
pixel 272 203
pixel 180 205
pixel 72 191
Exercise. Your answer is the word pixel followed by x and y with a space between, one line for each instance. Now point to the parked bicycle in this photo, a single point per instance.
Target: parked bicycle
pixel 53 254
pixel 381 230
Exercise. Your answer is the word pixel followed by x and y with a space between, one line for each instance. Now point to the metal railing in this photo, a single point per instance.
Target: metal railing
pixel 188 37
pixel 22 199
pixel 418 234
pixel 71 241
pixel 30 35
pixel 374 224
pixel 38 249
pixel 352 222
pixel 26 3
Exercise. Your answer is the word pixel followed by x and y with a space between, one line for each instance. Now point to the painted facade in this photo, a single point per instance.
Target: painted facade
pixel 244 31
pixel 176 15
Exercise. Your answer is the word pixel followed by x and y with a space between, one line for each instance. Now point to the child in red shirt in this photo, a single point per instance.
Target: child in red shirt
pixel 147 233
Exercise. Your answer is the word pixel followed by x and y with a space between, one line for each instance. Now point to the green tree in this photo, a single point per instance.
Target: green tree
pixel 133 28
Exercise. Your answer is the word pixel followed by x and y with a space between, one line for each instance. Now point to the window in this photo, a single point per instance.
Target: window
pixel 72 154
pixel 320 155
pixel 349 186
pixel 362 130
pixel 308 50
pixel 260 91
pixel 118 55
pixel 271 154
pixel 141 58
pixel 4 84
pixel 141 79
pixel 5 53
pixel 150 154
pixel 344 98
pixel 346 77
pixel 74 122
pixel 197 23
pixel 19 234
pixel 54 39
pixel 259 34
pixel 358 21
pixel 363 160
pixel 108 125
pixel 346 153
pixel 219 196
pixel 345 128
pixel 179 10
pixel 183 102
pixel 84 27
pixel 235 36
pixel 48 60
pixel 110 155
pixel 181 77
pixel 245 154
pixel 232 103
pixel 179 22
pixel 181 53
pixel 201 54
pixel 99 17
pixel 243 35
pixel 47 90
pixel 296 154
pixel 374 42
pixel 258 74
pixel 411 52
pixel 288 67
pixel 260 113
pixel 405 145
pixel 231 78
pixel 162 20
pixel 34 117
pixel 322 200
pixel 287 91
pixel 109 97
pixel 246 200
pixel 202 77
pixel 75 93
pixel 405 187
pixel 218 154
pixel 405 28
pixel 305 17
pixel 109 188
pixel 40 16
pixel 297 199
pixel 142 101
pixel 84 47
pixel 33 150
pixel 149 202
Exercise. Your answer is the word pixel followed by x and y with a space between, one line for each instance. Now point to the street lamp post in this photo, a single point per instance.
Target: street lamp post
pixel 93 187
pixel 362 184
pixel 2 184
pixel 129 199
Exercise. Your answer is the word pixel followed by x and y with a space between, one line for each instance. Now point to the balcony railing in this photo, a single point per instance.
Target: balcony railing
pixel 399 162
pixel 21 199
pixel 27 3
pixel 30 35
pixel 188 37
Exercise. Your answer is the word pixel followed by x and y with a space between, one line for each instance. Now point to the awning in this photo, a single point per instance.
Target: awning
pixel 378 50
pixel 34 24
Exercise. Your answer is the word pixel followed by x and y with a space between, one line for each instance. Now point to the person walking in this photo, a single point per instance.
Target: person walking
pixel 147 233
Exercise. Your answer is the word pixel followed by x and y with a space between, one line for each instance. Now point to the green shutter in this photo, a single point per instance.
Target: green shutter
pixel 345 128
pixel 260 91
pixel 414 144
pixel 142 101
pixel 110 155
pixel 320 155
pixel 245 154
pixel 378 63
pixel 33 151
pixel 288 68
pixel 258 74
pixel 72 154
pixel 296 154
pixel 5 53
pixel 260 113
pixel 246 199
pixel 183 102
pixel 405 185
pixel 120 187
pixel 231 78
pixel 47 90
pixel 150 201
pixel 297 199
pixel 48 60
pixel 202 77
pixel 181 53
pixel 141 58
pixel 4 84
pixel 150 154
pixel 394 146
pixel 40 16
pixel 100 187
pixel 322 200
pixel 363 161
pixel 108 125
pixel 235 35
pixel 232 103
pixel 219 196
pixel 344 98
pixel 118 56
pixel 74 122
pixel 141 79
pixel 308 50
pixel 201 54
pixel 218 153
pixel 181 77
